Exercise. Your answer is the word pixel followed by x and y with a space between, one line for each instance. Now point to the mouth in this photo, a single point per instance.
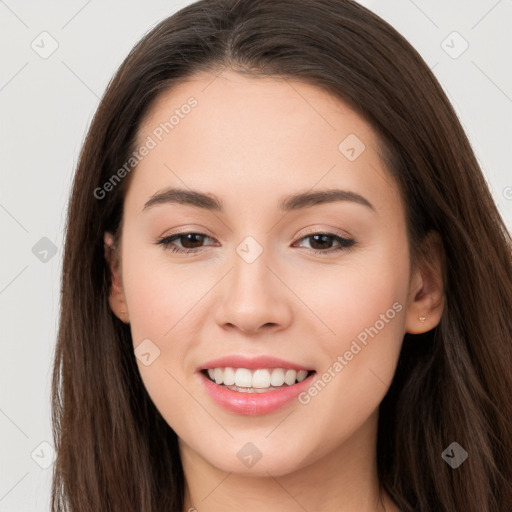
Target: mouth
pixel 254 385
pixel 258 380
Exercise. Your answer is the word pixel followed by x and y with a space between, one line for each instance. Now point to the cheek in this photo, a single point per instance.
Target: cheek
pixel 360 298
pixel 158 294
pixel 161 304
pixel 359 365
pixel 363 305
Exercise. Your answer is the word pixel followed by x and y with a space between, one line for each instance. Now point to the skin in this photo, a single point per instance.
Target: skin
pixel 251 141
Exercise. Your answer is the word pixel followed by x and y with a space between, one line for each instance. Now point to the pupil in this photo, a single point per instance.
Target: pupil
pixel 324 237
pixel 187 240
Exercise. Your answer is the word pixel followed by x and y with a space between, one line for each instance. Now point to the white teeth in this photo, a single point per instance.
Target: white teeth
pixel 290 376
pixel 277 378
pixel 218 375
pixel 261 379
pixel 301 375
pixel 229 376
pixel 243 378
pixel 258 381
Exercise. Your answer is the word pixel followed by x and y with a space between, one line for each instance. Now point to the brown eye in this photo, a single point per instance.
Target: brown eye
pixel 190 242
pixel 321 243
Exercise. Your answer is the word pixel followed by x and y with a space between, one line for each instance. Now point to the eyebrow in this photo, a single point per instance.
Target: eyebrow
pixel 290 203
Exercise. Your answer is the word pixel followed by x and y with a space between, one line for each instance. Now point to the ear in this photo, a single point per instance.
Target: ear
pixel 116 298
pixel 426 292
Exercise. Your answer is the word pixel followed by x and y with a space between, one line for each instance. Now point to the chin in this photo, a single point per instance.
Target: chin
pixel 257 457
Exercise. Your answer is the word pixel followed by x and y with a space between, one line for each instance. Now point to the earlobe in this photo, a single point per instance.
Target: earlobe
pixel 117 299
pixel 426 293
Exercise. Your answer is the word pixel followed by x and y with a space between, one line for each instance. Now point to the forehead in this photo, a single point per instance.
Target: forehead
pixel 255 136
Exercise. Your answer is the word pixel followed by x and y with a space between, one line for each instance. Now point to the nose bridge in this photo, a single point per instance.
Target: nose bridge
pixel 253 296
pixel 250 275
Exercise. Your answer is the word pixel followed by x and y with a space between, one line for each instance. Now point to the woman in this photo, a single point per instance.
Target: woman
pixel 285 283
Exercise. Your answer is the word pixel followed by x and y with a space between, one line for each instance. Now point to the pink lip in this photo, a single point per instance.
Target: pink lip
pixel 252 404
pixel 253 363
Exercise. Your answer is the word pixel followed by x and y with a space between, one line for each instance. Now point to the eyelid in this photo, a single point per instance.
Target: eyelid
pixel 330 231
pixel 185 230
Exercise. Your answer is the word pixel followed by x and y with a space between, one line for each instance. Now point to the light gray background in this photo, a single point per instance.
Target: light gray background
pixel 46 107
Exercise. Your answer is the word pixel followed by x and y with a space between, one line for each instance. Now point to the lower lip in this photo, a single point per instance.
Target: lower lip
pixel 252 404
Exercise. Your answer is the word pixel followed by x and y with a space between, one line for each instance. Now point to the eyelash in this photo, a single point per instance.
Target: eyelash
pixel 345 243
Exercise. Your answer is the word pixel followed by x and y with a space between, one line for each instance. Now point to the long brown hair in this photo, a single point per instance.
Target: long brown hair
pixel 454 383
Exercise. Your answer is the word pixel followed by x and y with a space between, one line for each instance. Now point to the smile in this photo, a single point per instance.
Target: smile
pixel 254 385
pixel 260 380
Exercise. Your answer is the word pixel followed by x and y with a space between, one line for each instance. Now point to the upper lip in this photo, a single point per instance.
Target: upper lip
pixel 238 361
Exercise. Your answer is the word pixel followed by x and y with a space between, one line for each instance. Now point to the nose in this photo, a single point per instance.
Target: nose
pixel 254 298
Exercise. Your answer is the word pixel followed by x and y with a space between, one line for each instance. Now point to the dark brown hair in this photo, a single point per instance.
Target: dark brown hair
pixel 115 452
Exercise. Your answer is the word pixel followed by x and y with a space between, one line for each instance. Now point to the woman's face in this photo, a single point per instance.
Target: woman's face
pixel 253 285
